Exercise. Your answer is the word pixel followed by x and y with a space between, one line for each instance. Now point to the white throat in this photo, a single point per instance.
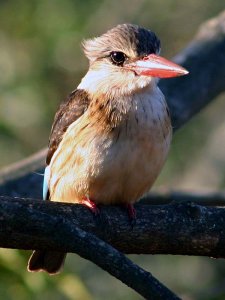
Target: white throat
pixel 115 84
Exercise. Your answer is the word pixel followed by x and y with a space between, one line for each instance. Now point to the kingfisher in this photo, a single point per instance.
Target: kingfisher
pixel 111 136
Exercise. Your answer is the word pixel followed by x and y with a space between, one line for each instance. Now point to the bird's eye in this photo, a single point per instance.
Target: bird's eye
pixel 117 58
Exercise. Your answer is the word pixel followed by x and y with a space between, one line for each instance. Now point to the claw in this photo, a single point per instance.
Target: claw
pixel 131 213
pixel 91 205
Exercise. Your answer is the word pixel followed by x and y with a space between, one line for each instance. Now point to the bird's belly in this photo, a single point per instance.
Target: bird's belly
pixel 111 167
pixel 112 171
pixel 129 169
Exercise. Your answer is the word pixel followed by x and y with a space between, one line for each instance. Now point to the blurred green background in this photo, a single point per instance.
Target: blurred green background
pixel 40 63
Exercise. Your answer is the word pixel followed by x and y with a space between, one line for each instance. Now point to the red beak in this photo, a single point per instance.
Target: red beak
pixel 156 66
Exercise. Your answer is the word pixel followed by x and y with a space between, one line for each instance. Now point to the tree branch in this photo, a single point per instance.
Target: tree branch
pixel 45 225
pixel 205 60
pixel 186 229
pixel 206 199
pixel 20 228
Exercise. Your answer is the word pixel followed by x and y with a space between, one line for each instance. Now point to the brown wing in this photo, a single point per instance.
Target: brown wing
pixel 69 111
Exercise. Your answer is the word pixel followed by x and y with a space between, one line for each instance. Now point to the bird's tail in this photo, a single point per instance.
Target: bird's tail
pixel 48 261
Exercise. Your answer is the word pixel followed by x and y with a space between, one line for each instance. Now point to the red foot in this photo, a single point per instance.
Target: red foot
pixel 131 211
pixel 90 204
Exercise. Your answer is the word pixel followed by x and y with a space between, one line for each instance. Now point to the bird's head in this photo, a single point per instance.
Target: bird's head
pixel 125 60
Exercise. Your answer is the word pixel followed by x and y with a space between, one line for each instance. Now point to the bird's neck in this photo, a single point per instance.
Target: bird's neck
pixel 111 113
pixel 114 85
pixel 114 102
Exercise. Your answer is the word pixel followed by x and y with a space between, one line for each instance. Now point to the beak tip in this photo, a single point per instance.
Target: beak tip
pixel 180 71
pixel 186 72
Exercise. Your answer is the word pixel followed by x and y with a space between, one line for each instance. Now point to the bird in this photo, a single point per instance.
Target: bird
pixel 111 136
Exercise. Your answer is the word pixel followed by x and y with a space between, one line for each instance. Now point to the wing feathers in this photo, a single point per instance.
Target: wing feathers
pixel 69 111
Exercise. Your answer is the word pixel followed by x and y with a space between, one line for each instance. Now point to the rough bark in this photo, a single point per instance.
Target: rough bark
pixel 187 229
pixel 26 224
